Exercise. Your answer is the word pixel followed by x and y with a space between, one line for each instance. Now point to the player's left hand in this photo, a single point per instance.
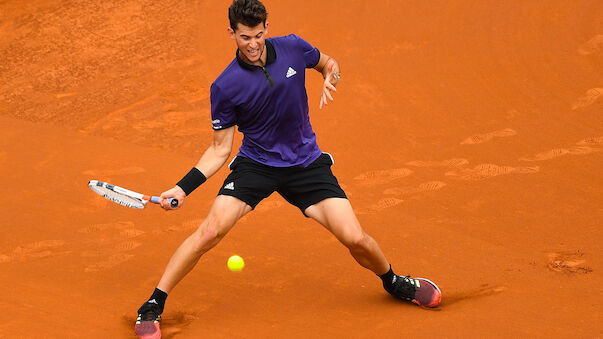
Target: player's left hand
pixel 328 85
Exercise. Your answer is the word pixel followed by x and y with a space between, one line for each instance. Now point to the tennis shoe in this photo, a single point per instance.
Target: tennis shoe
pixel 420 291
pixel 147 324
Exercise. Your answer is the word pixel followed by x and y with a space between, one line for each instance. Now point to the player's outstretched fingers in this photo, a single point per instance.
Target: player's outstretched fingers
pixel 328 94
pixel 330 86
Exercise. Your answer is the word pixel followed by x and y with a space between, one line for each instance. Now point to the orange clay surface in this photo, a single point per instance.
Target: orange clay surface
pixel 468 135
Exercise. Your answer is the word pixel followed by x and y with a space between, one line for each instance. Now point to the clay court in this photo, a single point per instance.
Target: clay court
pixel 468 135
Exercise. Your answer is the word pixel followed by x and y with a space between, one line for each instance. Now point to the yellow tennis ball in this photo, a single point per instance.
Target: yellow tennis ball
pixel 235 263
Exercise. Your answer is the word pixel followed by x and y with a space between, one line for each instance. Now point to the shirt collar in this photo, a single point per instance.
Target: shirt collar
pixel 270 57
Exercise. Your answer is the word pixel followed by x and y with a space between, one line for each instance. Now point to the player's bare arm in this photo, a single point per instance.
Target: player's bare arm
pixel 217 153
pixel 331 72
pixel 211 161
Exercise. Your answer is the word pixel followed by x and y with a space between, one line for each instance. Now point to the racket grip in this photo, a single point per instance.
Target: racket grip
pixel 173 202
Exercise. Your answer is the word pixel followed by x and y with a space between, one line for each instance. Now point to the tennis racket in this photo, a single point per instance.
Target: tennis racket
pixel 123 196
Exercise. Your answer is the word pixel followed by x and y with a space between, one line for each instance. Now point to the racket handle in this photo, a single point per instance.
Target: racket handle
pixel 173 202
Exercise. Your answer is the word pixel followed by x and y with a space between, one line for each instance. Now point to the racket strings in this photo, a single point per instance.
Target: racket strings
pixel 118 197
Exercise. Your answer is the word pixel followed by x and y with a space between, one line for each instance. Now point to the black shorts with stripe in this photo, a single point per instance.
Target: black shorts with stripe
pixel 251 182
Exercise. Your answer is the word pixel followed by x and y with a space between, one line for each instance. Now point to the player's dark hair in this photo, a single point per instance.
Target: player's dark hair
pixel 247 12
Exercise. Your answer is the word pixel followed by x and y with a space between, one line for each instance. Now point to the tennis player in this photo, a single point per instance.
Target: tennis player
pixel 262 91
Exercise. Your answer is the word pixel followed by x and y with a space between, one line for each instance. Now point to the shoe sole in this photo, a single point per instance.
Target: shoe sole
pixel 436 302
pixel 148 330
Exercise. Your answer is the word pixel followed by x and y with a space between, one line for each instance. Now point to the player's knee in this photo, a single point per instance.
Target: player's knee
pixel 359 241
pixel 207 238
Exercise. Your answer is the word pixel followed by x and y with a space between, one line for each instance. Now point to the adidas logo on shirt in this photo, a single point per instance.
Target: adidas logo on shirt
pixel 229 186
pixel 290 72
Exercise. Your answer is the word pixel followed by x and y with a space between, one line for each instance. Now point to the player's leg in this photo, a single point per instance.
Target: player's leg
pixel 337 215
pixel 223 215
pixel 243 189
pixel 316 192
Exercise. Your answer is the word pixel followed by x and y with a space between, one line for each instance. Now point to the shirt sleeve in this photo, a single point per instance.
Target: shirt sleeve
pixel 223 114
pixel 311 53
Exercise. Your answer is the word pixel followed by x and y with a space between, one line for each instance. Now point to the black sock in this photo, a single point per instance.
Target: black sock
pixel 155 303
pixel 387 279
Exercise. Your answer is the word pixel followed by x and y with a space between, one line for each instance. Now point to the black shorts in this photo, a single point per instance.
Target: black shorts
pixel 251 181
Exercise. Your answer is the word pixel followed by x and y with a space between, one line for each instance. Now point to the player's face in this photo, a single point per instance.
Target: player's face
pixel 251 42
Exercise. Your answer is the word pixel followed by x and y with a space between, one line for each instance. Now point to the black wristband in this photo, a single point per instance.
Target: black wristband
pixel 193 179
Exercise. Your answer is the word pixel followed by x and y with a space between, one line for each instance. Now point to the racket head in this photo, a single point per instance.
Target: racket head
pixel 116 194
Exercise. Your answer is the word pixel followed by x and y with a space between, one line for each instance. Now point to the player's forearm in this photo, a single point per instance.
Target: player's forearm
pixel 213 159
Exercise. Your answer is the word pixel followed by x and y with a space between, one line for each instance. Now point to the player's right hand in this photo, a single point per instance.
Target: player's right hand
pixel 176 193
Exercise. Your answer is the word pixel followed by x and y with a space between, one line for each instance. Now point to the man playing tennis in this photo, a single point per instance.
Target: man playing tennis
pixel 262 91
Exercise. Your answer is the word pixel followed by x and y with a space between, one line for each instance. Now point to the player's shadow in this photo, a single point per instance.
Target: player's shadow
pixel 171 325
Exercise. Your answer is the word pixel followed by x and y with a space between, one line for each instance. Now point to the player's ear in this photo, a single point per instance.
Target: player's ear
pixel 266 28
pixel 231 33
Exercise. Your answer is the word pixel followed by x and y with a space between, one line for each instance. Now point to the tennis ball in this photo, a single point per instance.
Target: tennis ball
pixel 235 263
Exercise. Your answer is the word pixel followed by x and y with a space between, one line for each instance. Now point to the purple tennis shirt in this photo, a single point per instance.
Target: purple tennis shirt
pixel 269 104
